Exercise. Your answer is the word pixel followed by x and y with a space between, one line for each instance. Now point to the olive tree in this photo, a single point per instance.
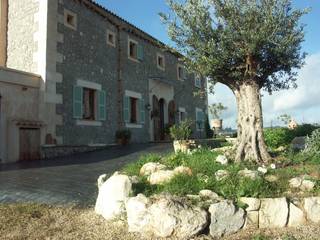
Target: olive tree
pixel 247 45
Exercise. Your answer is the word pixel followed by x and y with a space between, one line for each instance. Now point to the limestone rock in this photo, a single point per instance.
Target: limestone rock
pixel 296 216
pixel 253 203
pixel 252 219
pixel 208 194
pixel 165 217
pixel 263 170
pixel 112 196
pixel 273 213
pixel 248 174
pixel 295 182
pixel 161 177
pixel 312 208
pixel 307 185
pixel 302 183
pixel 271 178
pixel 222 160
pixel 225 219
pixel 183 170
pixel 221 174
pixel 151 167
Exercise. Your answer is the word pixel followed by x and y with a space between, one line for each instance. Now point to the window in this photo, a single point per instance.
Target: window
pixel 135 51
pixel 111 38
pixel 134 109
pixel 160 61
pixel 200 119
pixel 182 114
pixel 180 72
pixel 89 104
pixel 197 80
pixel 70 19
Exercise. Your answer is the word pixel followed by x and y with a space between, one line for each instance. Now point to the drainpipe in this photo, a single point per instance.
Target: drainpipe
pixel 3 32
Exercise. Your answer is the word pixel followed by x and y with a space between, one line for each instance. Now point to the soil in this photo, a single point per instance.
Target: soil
pixel 30 221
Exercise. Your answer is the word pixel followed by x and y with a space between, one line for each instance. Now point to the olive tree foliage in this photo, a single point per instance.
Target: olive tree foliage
pixel 247 45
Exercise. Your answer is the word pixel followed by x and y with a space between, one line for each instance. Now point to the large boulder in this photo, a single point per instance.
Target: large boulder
pixel 165 216
pixel 225 219
pixel 273 213
pixel 296 216
pixel 151 167
pixel 312 208
pixel 161 177
pixel 112 196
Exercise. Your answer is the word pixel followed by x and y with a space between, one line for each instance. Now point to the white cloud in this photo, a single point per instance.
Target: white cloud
pixel 303 103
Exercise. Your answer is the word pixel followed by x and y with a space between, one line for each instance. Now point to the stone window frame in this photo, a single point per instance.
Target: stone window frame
pixel 138 96
pixel 68 13
pixel 159 55
pixel 182 110
pixel 96 87
pixel 110 32
pixel 130 40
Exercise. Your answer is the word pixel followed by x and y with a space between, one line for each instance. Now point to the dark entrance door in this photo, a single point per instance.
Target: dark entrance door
pixel 29 144
pixel 156 118
pixel 161 107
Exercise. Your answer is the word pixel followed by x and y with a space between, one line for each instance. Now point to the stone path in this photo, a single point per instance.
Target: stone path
pixel 67 180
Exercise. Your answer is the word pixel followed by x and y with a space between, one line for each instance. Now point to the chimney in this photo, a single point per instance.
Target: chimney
pixel 3 31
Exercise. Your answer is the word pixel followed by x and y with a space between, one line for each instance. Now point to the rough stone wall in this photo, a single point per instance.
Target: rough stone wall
pixel 21 28
pixel 86 56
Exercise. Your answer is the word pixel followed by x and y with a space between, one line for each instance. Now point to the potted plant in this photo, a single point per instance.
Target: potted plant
pixel 216 109
pixel 181 134
pixel 123 136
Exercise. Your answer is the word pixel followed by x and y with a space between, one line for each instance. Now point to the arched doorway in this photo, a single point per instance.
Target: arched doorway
pixel 158 117
pixel 171 113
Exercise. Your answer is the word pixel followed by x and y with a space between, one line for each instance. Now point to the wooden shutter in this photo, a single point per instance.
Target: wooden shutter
pixel 126 109
pixel 102 105
pixel 77 102
pixel 142 111
pixel 140 52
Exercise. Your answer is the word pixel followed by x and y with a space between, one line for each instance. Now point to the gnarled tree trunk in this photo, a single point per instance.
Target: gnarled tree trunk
pixel 250 143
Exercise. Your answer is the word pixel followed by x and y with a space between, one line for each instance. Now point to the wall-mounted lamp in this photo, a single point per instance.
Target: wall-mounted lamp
pixel 148 107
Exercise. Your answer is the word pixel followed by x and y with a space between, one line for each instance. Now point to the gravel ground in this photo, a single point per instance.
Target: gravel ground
pixel 30 221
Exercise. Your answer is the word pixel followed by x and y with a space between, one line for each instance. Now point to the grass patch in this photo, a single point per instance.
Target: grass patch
pixel 133 169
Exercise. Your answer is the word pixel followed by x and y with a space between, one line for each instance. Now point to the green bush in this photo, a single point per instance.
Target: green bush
pixel 276 137
pixel 313 144
pixel 181 131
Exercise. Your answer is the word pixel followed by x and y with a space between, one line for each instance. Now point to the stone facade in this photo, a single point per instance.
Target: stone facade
pixel 65 43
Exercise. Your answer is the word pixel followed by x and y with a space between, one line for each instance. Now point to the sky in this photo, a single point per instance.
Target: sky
pixel 303 103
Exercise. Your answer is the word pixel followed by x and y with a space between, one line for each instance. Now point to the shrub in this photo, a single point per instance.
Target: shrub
pixel 181 131
pixel 303 130
pixel 276 137
pixel 313 144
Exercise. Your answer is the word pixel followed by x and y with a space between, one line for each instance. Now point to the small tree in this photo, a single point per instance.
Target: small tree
pixel 247 45
pixel 216 109
pixel 285 118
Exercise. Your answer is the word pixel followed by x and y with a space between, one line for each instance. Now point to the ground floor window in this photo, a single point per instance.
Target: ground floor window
pixel 200 119
pixel 133 108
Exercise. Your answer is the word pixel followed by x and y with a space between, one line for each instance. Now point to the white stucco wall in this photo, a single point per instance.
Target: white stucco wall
pixel 19 101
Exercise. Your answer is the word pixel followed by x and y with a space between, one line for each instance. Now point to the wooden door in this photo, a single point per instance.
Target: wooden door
pixel 156 118
pixel 29 144
pixel 161 112
pixel 171 113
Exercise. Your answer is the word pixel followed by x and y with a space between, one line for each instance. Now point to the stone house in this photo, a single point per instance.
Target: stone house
pixel 97 74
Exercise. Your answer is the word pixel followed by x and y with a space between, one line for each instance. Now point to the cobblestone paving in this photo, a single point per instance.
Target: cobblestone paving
pixel 68 180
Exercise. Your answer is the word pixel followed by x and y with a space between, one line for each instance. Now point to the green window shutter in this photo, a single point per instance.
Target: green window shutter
pixel 140 52
pixel 77 102
pixel 142 111
pixel 102 115
pixel 126 109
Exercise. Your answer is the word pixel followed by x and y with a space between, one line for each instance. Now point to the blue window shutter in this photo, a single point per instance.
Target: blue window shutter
pixel 126 109
pixel 142 111
pixel 102 115
pixel 140 52
pixel 77 102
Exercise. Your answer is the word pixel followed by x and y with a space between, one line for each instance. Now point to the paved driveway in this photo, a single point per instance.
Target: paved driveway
pixel 67 180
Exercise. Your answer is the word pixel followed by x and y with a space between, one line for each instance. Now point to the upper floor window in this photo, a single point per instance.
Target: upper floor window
pixel 197 80
pixel 111 38
pixel 135 50
pixel 180 72
pixel 70 19
pixel 161 61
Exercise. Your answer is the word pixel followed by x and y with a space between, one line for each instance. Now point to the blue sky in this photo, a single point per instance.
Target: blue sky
pixel 302 104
